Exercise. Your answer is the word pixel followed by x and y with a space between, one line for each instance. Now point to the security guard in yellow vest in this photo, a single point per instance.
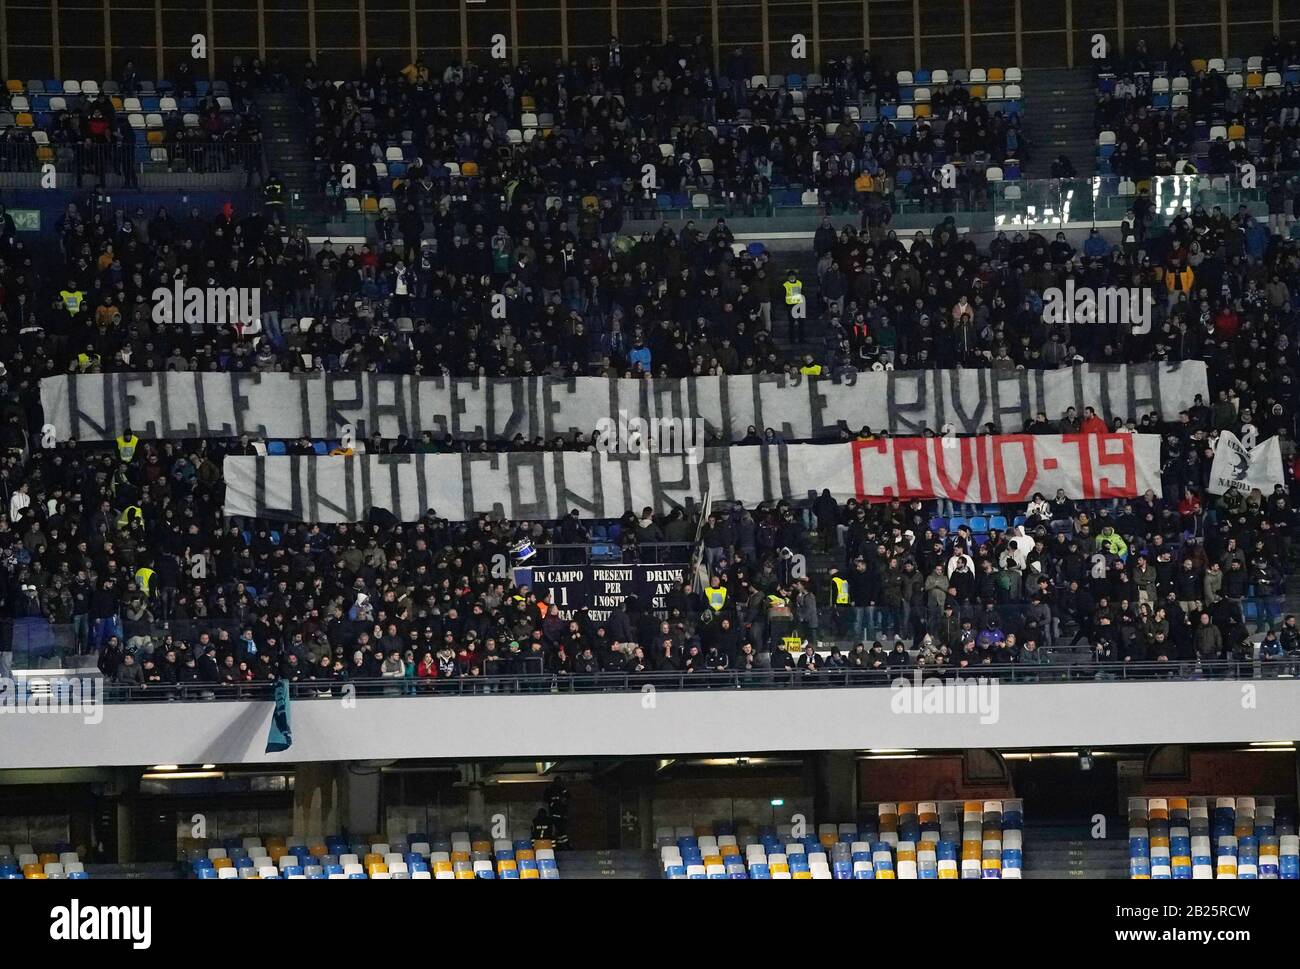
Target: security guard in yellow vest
pixel 130 515
pixel 716 594
pixel 72 298
pixel 840 587
pixel 794 307
pixel 127 443
pixel 839 599
pixel 144 578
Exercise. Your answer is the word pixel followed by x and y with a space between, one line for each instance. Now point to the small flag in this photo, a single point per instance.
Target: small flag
pixel 280 736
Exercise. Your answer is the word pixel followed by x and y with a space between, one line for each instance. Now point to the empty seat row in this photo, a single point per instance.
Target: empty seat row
pixel 904 840
pixel 1188 838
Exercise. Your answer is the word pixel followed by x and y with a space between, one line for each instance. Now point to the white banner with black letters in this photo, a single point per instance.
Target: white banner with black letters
pixel 281 406
pixel 545 485
pixel 1240 468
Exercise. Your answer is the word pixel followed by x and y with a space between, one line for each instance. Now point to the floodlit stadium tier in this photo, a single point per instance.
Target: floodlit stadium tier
pixel 1215 837
pixel 695 175
pixel 24 861
pixel 73 125
pixel 1225 100
pixel 413 857
pixel 904 840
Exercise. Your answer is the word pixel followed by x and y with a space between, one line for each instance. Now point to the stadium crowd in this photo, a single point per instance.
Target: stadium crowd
pixel 465 149
pixel 126 544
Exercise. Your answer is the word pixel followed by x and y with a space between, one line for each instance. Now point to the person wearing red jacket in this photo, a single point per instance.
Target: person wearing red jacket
pixel 1092 424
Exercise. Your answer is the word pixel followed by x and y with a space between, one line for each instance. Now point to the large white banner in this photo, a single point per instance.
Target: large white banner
pixel 90 407
pixel 1240 468
pixel 545 485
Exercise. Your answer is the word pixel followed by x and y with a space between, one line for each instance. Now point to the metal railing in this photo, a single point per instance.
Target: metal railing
pixel 98 160
pixel 516 684
pixel 612 550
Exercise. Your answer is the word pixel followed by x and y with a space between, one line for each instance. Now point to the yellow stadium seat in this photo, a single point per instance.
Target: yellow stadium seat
pixel 1199 64
pixel 506 864
pixel 460 856
pixel 978 90
pixel 442 866
pixel 370 205
pixel 922 111
pixel 48 858
pixel 525 854
pixel 30 870
pixel 370 859
pixel 469 169
pixel 885 875
pixel 1236 132
pixel 117 102
pixel 154 137
pixel 377 869
pixel 484 846
pixel 466 874
pixel 527 104
pixel 995 75
pixel 1254 79
pixel 318 850
pixel 712 860
pixel 527 873
pixel 223 863
pixel 543 843
pixel 14 87
pixel 45 153
pixel 25 120
pixel 36 876
pixel 780 868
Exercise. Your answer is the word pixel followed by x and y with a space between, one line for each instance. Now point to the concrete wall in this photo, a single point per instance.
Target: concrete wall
pixel 618 724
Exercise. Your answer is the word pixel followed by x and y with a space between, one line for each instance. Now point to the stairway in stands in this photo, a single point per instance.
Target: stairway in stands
pixel 616 863
pixel 816 329
pixel 286 139
pixel 1058 119
pixel 1069 851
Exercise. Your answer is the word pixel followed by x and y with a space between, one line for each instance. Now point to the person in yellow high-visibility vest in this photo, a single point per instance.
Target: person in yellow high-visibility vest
pixel 72 298
pixel 127 443
pixel 144 579
pixel 716 594
pixel 794 305
pixel 839 600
